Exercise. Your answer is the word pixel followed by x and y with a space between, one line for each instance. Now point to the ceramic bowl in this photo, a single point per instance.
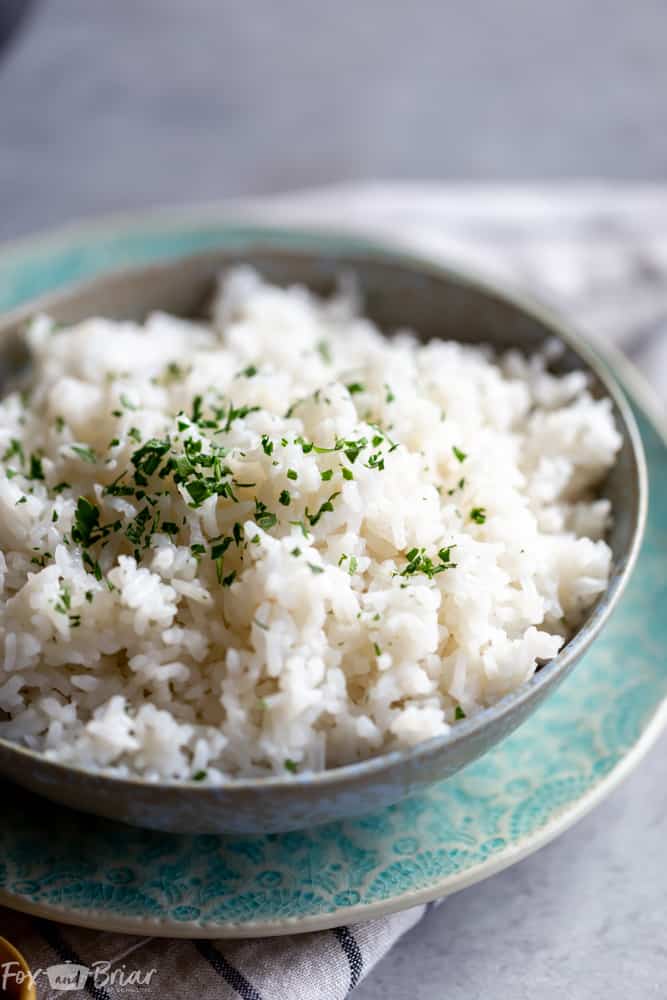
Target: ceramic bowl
pixel 399 291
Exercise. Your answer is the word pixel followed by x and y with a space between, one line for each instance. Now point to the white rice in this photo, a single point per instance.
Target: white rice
pixel 317 639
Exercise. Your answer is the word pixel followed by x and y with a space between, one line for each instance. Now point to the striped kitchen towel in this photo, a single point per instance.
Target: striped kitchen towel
pixel 325 965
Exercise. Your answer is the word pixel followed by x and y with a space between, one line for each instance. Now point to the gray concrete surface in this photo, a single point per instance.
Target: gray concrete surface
pixel 583 919
pixel 116 104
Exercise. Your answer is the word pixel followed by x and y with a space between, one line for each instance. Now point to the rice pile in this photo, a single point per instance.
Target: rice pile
pixel 281 542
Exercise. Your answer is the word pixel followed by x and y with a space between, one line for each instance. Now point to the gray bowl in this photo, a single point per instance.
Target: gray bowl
pixel 399 291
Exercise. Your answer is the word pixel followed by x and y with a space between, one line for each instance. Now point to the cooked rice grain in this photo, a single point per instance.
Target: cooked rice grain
pixel 281 542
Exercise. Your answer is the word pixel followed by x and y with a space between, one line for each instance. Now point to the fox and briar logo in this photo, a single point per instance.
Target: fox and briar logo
pixel 68 976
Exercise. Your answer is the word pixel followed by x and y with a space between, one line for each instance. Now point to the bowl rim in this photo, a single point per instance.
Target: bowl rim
pixel 258 239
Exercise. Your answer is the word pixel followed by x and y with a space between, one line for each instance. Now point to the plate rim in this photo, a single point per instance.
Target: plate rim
pixel 641 394
pixel 168 928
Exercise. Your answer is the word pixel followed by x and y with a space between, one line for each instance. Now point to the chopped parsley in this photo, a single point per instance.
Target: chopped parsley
pixel 137 526
pixel 478 515
pixel 459 713
pixel 326 475
pixel 14 448
pixel 291 766
pixel 36 470
pixel 64 602
pixel 324 508
pixel 86 521
pixel 419 562
pixel 355 387
pixel 264 518
pixel 200 775
pixel 285 498
pixel 458 454
pixel 197 409
pixel 352 449
pixel 173 373
pixel 238 413
pixel 324 351
pixel 291 474
pixel 85 453
pixel 95 567
pixel 267 445
pixel 219 548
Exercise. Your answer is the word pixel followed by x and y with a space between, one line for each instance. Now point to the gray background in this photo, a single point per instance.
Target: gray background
pixel 109 104
pixel 116 103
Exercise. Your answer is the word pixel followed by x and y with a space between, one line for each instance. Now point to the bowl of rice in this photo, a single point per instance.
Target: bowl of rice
pixel 287 534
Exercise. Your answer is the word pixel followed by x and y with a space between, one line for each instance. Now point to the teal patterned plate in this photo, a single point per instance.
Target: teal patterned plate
pixel 558 765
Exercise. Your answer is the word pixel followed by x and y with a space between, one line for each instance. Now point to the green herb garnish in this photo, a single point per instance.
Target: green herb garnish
pixel 85 453
pixel 324 351
pixel 14 448
pixel 64 602
pixel 264 518
pixel 324 508
pixel 36 470
pixel 419 562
